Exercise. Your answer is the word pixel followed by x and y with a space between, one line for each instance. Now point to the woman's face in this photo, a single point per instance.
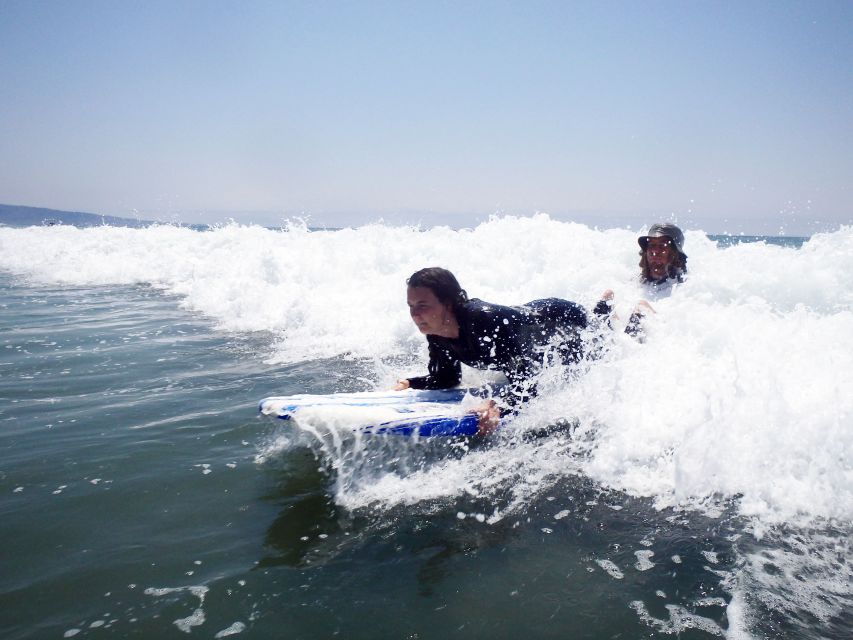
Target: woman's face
pixel 428 313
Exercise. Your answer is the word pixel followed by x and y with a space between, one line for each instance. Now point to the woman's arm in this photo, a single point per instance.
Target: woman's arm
pixel 444 369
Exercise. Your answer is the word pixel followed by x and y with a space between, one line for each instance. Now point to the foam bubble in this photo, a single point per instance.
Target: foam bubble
pixel 680 620
pixel 234 629
pixel 197 617
pixel 644 560
pixel 611 569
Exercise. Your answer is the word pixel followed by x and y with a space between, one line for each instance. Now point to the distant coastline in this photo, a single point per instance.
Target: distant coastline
pixel 21 216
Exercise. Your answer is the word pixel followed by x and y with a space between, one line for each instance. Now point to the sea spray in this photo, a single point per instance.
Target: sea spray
pixel 741 388
pixel 720 444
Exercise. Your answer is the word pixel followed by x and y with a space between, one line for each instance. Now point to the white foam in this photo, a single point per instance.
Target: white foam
pixel 197 617
pixel 644 560
pixel 234 629
pixel 737 613
pixel 775 574
pixel 611 569
pixel 680 620
pixel 741 388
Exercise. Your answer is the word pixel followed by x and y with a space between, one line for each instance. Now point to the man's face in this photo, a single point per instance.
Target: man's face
pixel 660 255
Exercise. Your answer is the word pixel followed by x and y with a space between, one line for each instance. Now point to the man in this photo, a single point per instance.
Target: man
pixel 662 256
pixel 662 264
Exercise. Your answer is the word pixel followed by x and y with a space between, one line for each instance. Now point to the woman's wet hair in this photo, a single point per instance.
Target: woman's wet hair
pixel 442 283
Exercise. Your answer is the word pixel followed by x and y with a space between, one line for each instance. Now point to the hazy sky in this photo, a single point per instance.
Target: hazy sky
pixel 726 116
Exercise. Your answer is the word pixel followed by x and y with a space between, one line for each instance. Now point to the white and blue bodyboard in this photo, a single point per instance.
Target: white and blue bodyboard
pixel 446 412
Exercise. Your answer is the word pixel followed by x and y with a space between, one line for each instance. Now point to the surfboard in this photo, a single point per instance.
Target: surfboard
pixel 423 413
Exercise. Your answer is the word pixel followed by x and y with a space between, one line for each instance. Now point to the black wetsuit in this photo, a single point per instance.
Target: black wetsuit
pixel 513 340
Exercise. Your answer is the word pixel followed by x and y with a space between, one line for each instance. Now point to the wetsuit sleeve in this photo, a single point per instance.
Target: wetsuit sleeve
pixel 634 327
pixel 603 309
pixel 444 369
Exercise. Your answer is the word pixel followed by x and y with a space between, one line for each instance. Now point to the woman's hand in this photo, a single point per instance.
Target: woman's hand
pixel 490 417
pixel 401 385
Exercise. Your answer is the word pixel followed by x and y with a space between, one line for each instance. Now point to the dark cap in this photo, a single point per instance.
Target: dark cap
pixel 664 231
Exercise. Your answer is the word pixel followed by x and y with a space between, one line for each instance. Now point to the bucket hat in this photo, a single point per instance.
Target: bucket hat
pixel 664 231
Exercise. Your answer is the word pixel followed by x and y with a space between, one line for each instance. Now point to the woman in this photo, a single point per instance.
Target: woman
pixel 512 340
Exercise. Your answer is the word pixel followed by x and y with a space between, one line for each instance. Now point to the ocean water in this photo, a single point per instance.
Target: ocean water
pixel 704 490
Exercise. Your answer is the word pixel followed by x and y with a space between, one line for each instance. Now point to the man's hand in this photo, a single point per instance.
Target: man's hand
pixel 643 307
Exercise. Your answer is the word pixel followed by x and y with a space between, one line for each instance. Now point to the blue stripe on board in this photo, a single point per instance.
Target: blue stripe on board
pixel 466 425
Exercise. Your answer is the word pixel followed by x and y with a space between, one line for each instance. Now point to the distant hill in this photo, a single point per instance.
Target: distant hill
pixel 19 216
